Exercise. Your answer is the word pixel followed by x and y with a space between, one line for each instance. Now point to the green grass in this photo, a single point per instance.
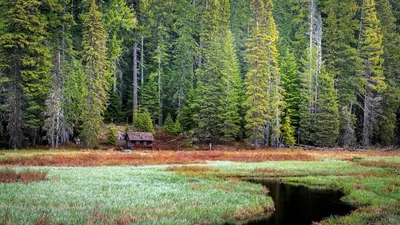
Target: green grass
pixel 192 195
pixel 144 195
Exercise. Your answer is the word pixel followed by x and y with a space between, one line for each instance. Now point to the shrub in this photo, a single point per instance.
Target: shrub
pixel 169 125
pixel 177 128
pixel 143 122
pixel 112 136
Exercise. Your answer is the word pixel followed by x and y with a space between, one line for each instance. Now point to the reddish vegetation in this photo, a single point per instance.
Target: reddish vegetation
pixel 26 176
pixel 93 158
pixel 381 164
pixel 122 220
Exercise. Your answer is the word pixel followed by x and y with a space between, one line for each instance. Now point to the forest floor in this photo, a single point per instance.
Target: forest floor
pixel 154 187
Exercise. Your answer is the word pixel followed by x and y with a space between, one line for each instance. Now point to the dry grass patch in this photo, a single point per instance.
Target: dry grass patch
pixel 137 158
pixel 25 176
pixel 381 164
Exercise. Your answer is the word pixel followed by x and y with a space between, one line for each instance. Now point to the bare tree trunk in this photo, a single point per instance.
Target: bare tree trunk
pixel 134 82
pixel 15 114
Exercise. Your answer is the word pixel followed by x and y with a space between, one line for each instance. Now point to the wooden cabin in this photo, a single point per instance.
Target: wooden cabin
pixel 137 140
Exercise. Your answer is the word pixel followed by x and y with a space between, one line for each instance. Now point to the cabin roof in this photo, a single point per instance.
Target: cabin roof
pixel 139 136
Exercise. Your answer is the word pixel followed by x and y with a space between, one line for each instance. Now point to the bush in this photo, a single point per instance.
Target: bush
pixel 168 125
pixel 177 128
pixel 112 135
pixel 143 122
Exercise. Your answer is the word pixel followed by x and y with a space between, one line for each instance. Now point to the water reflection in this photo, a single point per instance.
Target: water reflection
pixel 301 205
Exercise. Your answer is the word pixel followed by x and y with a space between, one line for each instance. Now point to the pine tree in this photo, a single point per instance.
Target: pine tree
pixel 275 88
pixel 258 76
pixel 60 28
pixel 168 125
pixel 26 67
pixel 143 122
pixel 291 84
pixel 183 59
pixel 207 100
pixel 391 45
pixel 327 115
pixel 370 52
pixel 232 89
pixel 112 135
pixel 288 132
pixel 339 54
pixel 98 77
pixel 119 20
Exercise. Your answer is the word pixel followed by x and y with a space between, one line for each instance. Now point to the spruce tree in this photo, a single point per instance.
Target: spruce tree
pixel 291 84
pixel 390 105
pixel 327 115
pixel 26 68
pixel 232 89
pixel 258 76
pixel 275 90
pixel 98 76
pixel 288 132
pixel 370 51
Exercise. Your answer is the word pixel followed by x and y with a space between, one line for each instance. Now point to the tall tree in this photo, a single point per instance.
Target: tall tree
pixel 98 76
pixel 339 54
pixel 391 45
pixel 291 84
pixel 370 51
pixel 119 21
pixel 327 115
pixel 26 68
pixel 263 94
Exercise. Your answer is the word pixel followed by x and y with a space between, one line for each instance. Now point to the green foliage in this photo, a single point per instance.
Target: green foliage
pixel 177 128
pixel 112 138
pixel 143 122
pixel 264 92
pixel 288 132
pixel 97 73
pixel 327 115
pixel 168 125
pixel 26 67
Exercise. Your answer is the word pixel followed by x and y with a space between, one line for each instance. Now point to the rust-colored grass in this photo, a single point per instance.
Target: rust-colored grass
pixel 97 158
pixel 381 164
pixel 26 176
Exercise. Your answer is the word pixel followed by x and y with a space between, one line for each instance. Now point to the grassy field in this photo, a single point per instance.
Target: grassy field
pixel 90 187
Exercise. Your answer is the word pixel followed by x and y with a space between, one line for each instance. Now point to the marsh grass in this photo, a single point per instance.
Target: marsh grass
pixel 126 195
pixel 8 175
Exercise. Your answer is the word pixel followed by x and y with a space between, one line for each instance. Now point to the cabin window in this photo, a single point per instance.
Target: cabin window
pixel 137 143
pixel 145 143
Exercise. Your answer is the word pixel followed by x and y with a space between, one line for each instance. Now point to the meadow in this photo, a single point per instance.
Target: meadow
pixel 191 187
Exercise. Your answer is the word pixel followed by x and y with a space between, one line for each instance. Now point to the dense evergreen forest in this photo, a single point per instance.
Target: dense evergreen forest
pixel 270 72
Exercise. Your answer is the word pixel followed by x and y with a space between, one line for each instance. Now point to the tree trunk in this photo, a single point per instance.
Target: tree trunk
pixel 134 82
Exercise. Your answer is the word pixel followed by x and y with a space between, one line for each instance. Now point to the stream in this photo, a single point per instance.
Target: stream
pixel 300 204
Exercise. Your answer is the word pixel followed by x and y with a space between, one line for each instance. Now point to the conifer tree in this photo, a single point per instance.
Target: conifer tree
pixel 98 76
pixel 26 68
pixel 60 27
pixel 391 103
pixel 168 125
pixel 258 76
pixel 207 118
pixel 339 54
pixel 370 52
pixel 291 84
pixel 288 132
pixel 327 115
pixel 275 90
pixel 232 89
pixel 119 21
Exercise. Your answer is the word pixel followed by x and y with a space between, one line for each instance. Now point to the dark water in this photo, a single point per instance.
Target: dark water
pixel 301 205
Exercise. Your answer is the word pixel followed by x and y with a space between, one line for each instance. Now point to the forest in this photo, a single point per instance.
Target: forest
pixel 269 72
